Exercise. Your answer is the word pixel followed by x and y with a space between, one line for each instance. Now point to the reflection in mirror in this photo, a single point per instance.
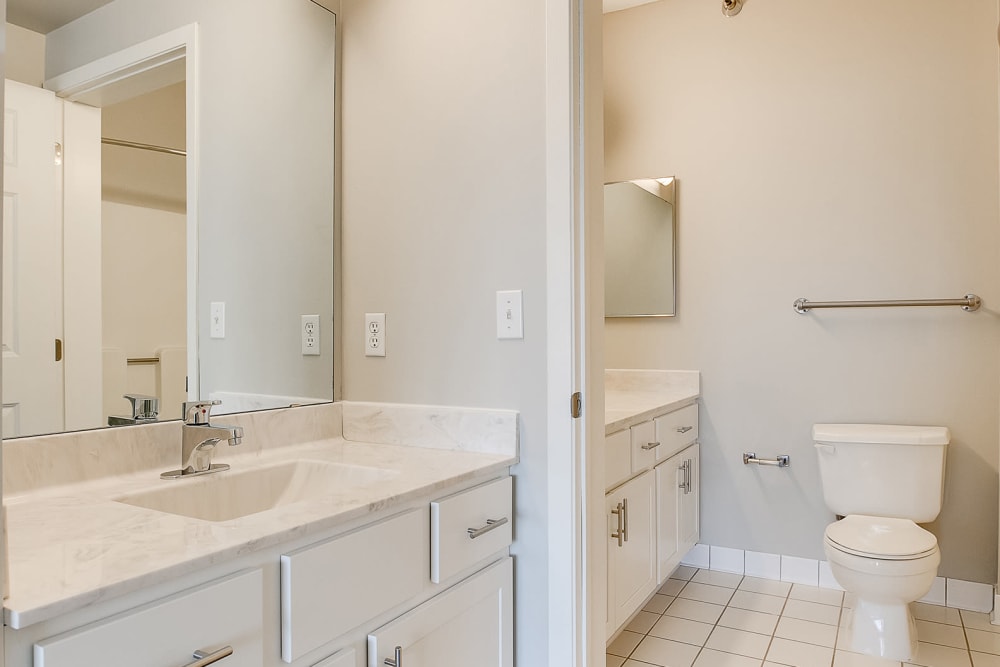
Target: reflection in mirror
pixel 142 243
pixel 640 237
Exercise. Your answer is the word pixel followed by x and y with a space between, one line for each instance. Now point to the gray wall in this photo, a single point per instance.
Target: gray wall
pixel 266 205
pixel 842 150
pixel 444 204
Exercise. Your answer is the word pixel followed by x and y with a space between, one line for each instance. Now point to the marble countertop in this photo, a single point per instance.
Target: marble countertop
pixel 634 396
pixel 72 545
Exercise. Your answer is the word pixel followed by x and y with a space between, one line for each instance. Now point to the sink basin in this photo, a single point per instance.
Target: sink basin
pixel 233 494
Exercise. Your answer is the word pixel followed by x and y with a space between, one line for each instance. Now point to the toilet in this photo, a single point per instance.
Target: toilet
pixel 883 480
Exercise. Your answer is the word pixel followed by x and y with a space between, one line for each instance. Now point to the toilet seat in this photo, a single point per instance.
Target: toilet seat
pixel 882 538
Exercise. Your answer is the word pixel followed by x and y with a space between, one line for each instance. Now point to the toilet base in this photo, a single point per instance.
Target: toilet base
pixel 882 630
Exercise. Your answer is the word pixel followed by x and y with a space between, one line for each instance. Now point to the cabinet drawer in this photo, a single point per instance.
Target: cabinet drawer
pixel 461 532
pixel 332 587
pixel 645 446
pixel 166 633
pixel 617 458
pixel 471 623
pixel 676 430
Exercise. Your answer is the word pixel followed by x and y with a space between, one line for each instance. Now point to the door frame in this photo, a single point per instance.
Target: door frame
pixel 577 559
pixel 141 68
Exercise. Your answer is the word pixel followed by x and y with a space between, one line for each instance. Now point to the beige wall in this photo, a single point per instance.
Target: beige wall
pixel 444 204
pixel 25 55
pixel 840 150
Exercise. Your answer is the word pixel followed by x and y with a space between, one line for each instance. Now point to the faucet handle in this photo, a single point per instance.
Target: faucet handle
pixel 198 412
pixel 143 407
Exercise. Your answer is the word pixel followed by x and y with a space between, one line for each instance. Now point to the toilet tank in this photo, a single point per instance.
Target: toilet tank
pixel 882 470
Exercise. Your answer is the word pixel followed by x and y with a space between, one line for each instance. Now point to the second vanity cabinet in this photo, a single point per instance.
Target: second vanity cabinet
pixel 653 516
pixel 359 597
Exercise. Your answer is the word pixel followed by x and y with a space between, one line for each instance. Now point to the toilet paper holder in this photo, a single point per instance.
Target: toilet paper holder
pixel 781 461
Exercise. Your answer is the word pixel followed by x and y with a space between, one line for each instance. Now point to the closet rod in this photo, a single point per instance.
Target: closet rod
pixel 970 303
pixel 144 147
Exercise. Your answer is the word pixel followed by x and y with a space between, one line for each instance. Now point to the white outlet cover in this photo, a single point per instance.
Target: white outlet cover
pixel 310 335
pixel 374 334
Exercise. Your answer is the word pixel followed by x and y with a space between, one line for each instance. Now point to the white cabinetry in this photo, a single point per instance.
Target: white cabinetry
pixel 653 518
pixel 471 623
pixel 213 619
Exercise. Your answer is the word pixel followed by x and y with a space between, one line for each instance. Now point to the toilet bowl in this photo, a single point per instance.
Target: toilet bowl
pixel 883 480
pixel 886 563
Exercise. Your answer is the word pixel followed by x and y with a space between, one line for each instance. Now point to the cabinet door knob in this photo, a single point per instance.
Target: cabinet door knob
pixel 397 659
pixel 204 657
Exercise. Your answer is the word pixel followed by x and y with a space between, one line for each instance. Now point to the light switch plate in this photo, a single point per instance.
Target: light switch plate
pixel 217 320
pixel 510 319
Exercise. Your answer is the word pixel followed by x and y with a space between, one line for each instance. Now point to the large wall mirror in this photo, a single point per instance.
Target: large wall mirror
pixel 168 207
pixel 640 231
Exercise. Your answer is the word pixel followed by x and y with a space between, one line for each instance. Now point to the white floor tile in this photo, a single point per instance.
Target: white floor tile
pixel 978 621
pixel 697 557
pixel 694 610
pixel 672 587
pixel 766 586
pixel 812 611
pixel 765 566
pixel 942 634
pixel 682 630
pixel 751 621
pixel 642 622
pixel 683 572
pixel 658 603
pixel 711 658
pixel 847 659
pixel 613 661
pixel 932 655
pixel 798 654
pixel 813 594
pixel 800 570
pixel 933 612
pixel 726 579
pixel 740 642
pixel 706 593
pixel 985 660
pixel 665 653
pixel 809 632
pixel 826 578
pixel 936 595
pixel 969 595
pixel 769 604
pixel 982 641
pixel 725 559
pixel 624 643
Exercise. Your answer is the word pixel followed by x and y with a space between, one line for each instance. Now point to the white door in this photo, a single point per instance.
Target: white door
pixel 32 264
pixel 472 623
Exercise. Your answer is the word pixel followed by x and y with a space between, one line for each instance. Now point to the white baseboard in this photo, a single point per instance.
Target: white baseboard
pixel 955 593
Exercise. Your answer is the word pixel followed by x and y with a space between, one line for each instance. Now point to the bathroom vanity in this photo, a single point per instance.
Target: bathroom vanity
pixel 385 538
pixel 651 479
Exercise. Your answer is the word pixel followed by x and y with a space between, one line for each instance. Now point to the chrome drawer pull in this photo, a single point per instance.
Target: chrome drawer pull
pixel 397 659
pixel 650 445
pixel 203 657
pixel 490 525
pixel 684 429
pixel 619 534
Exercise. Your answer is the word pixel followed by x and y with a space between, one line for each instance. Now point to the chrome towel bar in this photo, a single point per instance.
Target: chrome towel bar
pixel 970 303
pixel 781 461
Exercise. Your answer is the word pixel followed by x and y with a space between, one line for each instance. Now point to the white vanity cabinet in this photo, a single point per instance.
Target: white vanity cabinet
pixel 223 619
pixel 653 517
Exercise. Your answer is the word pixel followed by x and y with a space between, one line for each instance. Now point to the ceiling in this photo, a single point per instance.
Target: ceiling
pixel 44 16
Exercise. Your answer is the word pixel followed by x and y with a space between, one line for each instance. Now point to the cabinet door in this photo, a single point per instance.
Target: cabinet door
pixel 168 632
pixel 471 623
pixel 632 557
pixel 688 501
pixel 669 477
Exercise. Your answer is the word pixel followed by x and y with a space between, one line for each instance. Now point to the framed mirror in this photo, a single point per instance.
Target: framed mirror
pixel 182 273
pixel 640 234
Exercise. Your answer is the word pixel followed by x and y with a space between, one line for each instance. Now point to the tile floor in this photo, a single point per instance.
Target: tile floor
pixel 701 618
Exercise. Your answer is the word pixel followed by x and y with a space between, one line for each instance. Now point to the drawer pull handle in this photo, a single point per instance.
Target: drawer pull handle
pixel 650 445
pixel 684 429
pixel 203 657
pixel 397 659
pixel 619 534
pixel 490 525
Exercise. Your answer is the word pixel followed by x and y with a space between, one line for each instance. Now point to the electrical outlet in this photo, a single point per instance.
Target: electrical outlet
pixel 217 319
pixel 310 335
pixel 374 334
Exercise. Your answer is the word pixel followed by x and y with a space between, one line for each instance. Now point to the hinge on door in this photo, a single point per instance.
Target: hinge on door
pixel 59 153
pixel 576 405
pixel 59 349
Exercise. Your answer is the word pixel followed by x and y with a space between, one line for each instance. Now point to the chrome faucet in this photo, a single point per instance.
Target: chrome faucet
pixel 199 438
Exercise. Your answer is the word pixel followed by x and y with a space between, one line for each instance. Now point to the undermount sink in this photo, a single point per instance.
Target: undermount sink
pixel 234 494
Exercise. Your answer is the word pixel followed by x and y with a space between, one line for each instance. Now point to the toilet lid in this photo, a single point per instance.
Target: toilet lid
pixel 880 537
